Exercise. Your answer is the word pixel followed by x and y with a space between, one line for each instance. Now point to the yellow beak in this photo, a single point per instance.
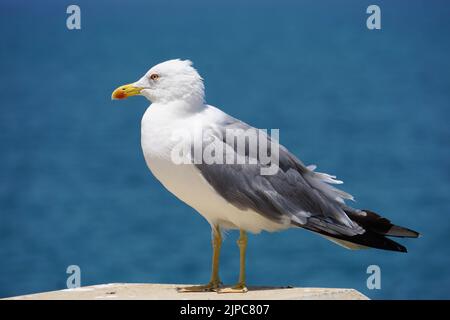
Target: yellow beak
pixel 126 91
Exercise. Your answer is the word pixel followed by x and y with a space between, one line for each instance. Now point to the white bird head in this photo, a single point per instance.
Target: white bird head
pixel 168 81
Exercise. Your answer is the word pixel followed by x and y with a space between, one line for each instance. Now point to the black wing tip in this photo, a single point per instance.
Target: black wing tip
pixel 401 248
pixel 384 243
pixel 378 224
pixel 402 232
pixel 367 239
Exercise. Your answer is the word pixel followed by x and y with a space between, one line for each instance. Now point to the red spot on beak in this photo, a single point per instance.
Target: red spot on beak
pixel 120 95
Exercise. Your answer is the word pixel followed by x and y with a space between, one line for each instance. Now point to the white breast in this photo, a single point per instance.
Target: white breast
pixel 185 180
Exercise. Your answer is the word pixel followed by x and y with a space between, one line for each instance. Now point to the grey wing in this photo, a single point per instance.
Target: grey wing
pixel 294 192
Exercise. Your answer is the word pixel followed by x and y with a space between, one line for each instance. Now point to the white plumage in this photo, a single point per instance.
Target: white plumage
pixel 184 180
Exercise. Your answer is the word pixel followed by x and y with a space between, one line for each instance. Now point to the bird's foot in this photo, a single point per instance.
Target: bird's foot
pixel 239 288
pixel 212 286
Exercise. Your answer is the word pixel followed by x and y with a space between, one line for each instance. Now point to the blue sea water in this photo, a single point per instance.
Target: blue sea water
pixel 372 107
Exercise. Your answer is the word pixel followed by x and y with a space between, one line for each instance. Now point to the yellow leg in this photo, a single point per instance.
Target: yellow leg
pixel 240 287
pixel 214 283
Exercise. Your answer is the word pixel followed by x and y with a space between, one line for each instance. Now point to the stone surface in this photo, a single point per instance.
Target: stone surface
pixel 127 291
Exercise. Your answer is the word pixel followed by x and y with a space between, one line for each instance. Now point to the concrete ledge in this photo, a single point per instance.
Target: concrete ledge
pixel 128 291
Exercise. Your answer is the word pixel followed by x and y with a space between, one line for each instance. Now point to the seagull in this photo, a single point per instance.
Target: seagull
pixel 233 195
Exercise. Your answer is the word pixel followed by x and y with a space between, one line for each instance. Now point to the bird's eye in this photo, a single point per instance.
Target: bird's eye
pixel 154 76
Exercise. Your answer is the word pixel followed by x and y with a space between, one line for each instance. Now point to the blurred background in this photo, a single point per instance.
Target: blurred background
pixel 372 107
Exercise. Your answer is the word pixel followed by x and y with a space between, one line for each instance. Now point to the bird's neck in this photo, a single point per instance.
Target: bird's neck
pixel 180 108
